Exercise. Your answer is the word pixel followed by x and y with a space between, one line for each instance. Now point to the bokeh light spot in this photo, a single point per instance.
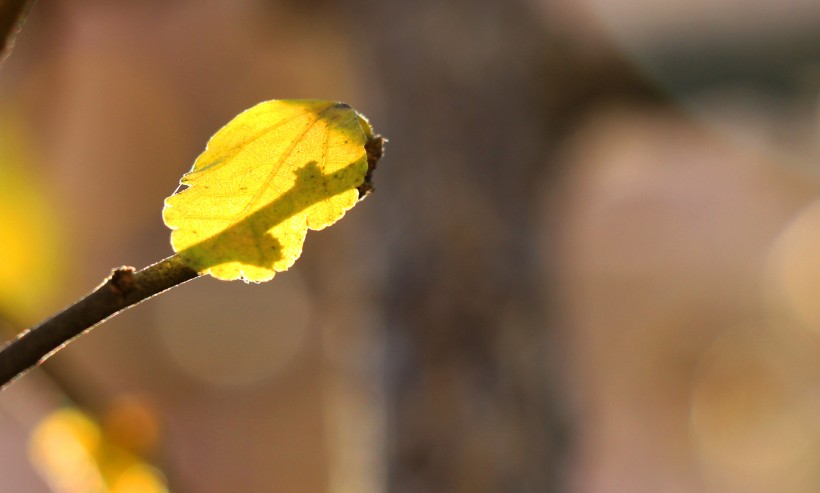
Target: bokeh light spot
pixel 62 449
pixel 794 268
pixel 132 423
pixel 233 334
pixel 753 413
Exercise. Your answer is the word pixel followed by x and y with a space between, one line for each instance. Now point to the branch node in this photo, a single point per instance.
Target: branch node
pixel 122 280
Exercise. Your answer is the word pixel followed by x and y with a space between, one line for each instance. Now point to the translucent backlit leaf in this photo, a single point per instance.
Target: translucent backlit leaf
pixel 267 176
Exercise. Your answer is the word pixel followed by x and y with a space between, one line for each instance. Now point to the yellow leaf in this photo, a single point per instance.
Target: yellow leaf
pixel 269 174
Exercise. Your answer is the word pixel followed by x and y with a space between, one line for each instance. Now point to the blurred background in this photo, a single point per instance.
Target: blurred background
pixel 591 264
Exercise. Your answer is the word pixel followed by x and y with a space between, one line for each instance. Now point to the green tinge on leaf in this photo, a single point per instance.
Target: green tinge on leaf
pixel 275 170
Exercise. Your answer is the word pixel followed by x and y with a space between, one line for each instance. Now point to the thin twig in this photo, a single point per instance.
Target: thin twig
pixel 122 289
pixel 12 14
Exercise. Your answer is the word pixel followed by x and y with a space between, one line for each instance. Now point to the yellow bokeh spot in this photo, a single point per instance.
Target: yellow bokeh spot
pixel 29 239
pixel 62 449
pixel 794 268
pixel 139 478
pixel 74 455
pixel 132 424
pixel 753 415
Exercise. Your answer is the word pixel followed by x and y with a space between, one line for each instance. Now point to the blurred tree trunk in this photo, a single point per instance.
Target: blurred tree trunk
pixel 479 99
pixel 471 392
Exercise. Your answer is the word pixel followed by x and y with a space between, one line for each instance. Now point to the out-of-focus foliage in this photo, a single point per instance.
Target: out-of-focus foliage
pixel 30 246
pixel 272 172
pixel 74 455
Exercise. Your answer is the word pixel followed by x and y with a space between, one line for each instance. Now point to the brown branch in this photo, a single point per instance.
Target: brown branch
pixel 122 289
pixel 12 14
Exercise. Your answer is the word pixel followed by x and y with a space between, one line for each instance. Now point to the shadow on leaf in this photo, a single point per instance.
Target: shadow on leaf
pixel 249 241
